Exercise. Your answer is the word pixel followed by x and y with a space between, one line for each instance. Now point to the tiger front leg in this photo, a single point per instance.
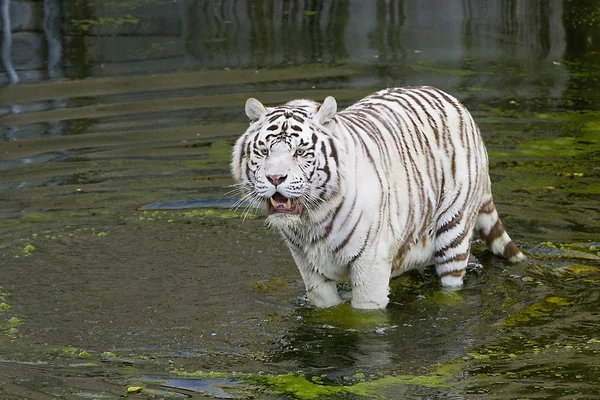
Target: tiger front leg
pixel 321 291
pixel 370 283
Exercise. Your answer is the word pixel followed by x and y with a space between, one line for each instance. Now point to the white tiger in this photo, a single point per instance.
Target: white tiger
pixel 398 180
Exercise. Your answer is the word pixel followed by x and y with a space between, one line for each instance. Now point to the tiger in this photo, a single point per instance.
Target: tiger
pixel 397 181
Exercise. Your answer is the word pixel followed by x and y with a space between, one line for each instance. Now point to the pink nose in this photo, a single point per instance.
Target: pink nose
pixel 276 179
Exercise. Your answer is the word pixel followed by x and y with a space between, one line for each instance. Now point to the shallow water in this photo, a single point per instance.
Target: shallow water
pixel 121 266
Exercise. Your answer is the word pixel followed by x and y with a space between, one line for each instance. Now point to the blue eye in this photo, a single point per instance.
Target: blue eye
pixel 300 152
pixel 264 152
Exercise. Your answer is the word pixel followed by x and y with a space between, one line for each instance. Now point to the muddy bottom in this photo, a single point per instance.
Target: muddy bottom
pixel 194 303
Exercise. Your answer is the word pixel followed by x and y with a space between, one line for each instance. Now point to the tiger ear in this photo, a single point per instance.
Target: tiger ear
pixel 326 111
pixel 254 109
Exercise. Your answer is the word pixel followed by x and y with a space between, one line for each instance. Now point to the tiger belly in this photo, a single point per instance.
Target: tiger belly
pixel 420 254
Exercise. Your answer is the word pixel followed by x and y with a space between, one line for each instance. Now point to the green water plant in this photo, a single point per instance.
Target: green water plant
pixel 297 385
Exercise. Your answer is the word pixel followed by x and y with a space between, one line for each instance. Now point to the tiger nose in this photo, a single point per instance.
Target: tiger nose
pixel 276 179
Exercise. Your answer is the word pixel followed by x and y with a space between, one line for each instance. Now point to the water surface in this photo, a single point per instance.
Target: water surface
pixel 122 268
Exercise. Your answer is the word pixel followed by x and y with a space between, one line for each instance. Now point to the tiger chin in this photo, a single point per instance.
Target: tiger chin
pixel 397 181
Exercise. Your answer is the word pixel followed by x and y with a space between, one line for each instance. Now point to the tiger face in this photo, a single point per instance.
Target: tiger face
pixel 286 161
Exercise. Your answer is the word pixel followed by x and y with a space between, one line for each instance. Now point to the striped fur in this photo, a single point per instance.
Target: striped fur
pixel 397 181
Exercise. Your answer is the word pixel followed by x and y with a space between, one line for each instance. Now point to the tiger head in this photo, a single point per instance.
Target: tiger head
pixel 287 160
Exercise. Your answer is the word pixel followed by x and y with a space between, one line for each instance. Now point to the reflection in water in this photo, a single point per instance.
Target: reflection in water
pixel 102 39
pixel 52 29
pixel 5 51
pixel 422 325
pixel 512 46
pixel 96 38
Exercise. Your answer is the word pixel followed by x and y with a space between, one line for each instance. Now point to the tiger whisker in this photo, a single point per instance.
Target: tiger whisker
pixel 250 201
pixel 235 191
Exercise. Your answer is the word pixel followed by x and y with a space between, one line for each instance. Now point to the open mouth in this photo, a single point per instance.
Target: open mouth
pixel 279 204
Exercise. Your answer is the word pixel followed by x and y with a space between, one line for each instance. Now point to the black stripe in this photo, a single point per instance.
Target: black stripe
pixel 348 236
pixel 297 118
pixel 274 117
pixel 362 249
pixel 450 224
pixel 329 227
pixel 453 244
pixel 458 257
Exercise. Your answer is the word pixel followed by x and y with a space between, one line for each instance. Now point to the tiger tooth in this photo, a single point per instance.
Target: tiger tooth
pixel 273 202
pixel 288 204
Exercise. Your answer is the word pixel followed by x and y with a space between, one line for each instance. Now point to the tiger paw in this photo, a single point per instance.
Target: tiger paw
pixel 451 281
pixel 324 297
pixel 370 305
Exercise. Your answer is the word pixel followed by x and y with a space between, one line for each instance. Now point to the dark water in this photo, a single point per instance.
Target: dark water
pixel 120 267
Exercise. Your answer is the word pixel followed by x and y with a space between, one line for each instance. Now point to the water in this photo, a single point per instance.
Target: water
pixel 121 266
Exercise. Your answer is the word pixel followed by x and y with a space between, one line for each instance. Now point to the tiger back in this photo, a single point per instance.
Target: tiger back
pixel 398 180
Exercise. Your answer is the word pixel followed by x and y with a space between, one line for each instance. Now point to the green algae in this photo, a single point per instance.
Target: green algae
pixel 28 249
pixel 575 249
pixel 573 134
pixel 269 286
pixel 532 313
pixel 10 328
pixel 310 13
pixel 345 317
pixel 579 270
pixel 214 214
pixel 4 306
pixel 477 89
pixel 566 146
pixel 86 24
pixel 446 297
pixel 225 214
pixel 70 351
pixel 588 117
pixel 300 387
pixel 430 66
pixel 558 301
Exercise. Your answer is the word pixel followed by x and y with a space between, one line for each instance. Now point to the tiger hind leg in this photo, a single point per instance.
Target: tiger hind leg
pixel 452 248
pixel 491 230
